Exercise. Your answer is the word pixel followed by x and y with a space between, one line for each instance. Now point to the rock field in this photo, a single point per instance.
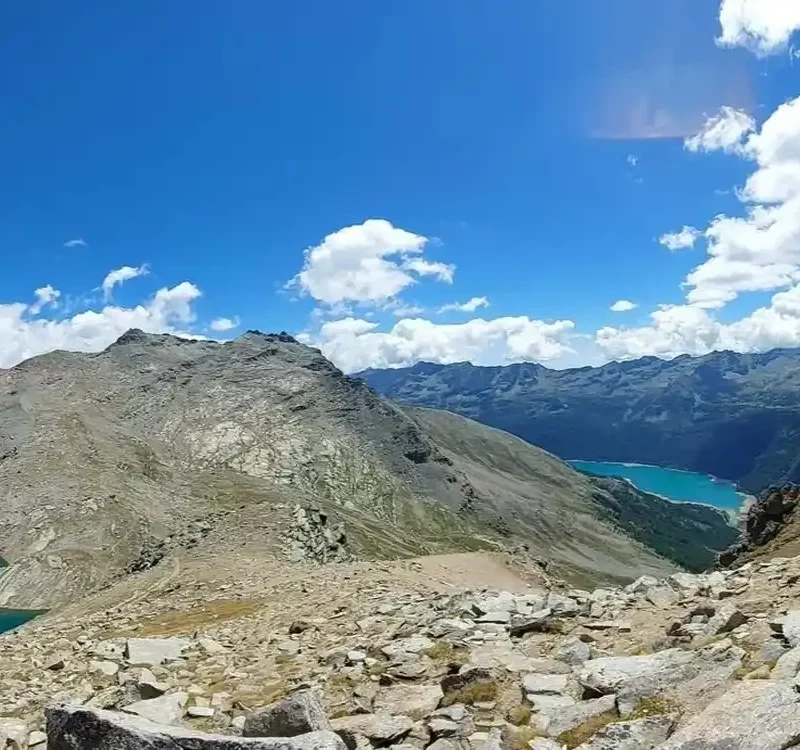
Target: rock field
pixel 359 656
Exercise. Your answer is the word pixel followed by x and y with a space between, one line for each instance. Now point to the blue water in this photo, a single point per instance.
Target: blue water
pixel 681 486
pixel 12 618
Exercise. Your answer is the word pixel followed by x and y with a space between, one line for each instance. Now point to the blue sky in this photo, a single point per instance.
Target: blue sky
pixel 516 153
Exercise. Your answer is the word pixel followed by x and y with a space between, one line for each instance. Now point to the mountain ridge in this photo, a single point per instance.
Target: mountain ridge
pixel 729 415
pixel 121 460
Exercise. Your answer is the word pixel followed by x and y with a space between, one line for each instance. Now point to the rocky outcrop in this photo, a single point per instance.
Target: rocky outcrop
pixel 771 527
pixel 311 537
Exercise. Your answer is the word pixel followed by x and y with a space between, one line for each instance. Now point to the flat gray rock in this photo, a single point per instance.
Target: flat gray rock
pixel 78 728
pixel 416 701
pixel 299 714
pixel 546 684
pixel 790 627
pixel 752 715
pixel 641 734
pixel 570 716
pixel 146 652
pixel 610 673
pixel 167 709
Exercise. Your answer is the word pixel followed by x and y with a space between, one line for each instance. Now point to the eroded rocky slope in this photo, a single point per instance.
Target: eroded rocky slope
pixel 414 655
pixel 110 462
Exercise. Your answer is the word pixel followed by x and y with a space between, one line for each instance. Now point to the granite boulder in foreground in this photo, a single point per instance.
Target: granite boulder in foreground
pixel 77 728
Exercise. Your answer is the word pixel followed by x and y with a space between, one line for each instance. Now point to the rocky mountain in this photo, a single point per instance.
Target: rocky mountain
pixel 735 416
pixel 771 528
pixel 113 463
pixel 459 652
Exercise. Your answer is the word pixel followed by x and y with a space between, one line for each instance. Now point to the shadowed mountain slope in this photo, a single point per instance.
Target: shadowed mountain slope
pixel 735 416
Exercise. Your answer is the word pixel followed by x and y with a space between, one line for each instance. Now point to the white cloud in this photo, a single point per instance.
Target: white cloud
pixel 366 263
pixel 759 251
pixel 403 310
pixel 23 334
pixel 469 306
pixel 442 271
pixel 120 276
pixel 765 26
pixel 725 131
pixel 688 329
pixel 623 305
pixel 46 295
pixel 355 344
pixel 633 160
pixel 681 240
pixel 224 324
pixel 76 243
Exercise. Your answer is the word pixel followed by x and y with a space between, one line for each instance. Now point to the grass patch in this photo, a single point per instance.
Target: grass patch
pixel 187 621
pixel 657 706
pixel 443 652
pixel 518 739
pixel 478 692
pixel 519 715
pixel 576 736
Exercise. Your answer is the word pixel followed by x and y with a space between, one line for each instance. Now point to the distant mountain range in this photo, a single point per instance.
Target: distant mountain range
pixel 735 416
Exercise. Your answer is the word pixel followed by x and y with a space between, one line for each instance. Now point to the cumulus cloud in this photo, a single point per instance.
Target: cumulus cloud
pixel 764 26
pixel 366 263
pixel 76 243
pixel 725 131
pixel 759 251
pixel 24 334
pixel 688 329
pixel 120 276
pixel 469 306
pixel 623 305
pixel 681 240
pixel 355 344
pixel 224 324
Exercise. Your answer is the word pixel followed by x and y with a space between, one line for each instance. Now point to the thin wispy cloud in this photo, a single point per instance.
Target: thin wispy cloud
pixel 78 242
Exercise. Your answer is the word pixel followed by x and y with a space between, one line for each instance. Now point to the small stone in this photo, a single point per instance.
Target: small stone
pixel 36 738
pixel 55 664
pixel 197 712
pixel 356 657
pixel 545 684
pixel 103 668
pixel 210 646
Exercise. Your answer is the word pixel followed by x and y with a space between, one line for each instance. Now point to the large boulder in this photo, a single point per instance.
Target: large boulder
pixel 640 734
pixel 761 714
pixel 79 728
pixel 299 714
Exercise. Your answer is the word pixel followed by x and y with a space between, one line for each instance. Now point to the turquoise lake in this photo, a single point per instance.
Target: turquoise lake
pixel 680 486
pixel 11 618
